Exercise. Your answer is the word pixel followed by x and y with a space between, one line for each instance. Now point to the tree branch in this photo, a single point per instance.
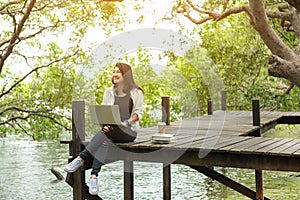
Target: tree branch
pixel 16 35
pixel 282 68
pixel 42 29
pixel 34 114
pixel 268 35
pixel 294 3
pixel 22 110
pixel 24 130
pixel 236 10
pixel 279 15
pixel 35 70
pixel 210 14
pixel 8 4
pixel 289 89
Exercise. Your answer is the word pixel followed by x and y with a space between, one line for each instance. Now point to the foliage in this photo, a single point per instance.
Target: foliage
pixel 190 78
pixel 46 39
pixel 285 33
pixel 41 106
pixel 242 61
pixel 38 100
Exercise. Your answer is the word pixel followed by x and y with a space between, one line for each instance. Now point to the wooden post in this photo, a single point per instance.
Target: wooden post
pixel 256 117
pixel 167 182
pixel 78 135
pixel 258 173
pixel 210 107
pixel 223 99
pixel 128 180
pixel 255 112
pixel 259 185
pixel 165 102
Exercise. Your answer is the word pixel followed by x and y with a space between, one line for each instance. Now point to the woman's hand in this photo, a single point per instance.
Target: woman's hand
pixel 126 123
pixel 107 128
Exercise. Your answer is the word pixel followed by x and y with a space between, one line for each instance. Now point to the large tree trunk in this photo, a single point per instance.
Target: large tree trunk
pixel 284 62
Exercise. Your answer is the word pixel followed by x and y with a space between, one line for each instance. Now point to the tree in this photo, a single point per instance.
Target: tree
pixel 39 99
pixel 284 58
pixel 242 61
pixel 45 39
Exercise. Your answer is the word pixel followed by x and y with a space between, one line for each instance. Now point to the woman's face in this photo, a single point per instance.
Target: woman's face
pixel 117 76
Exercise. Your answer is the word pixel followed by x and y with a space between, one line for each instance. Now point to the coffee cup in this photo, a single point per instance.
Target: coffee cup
pixel 161 127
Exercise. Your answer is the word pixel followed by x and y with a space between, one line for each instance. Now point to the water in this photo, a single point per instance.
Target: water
pixel 25 174
pixel 25 170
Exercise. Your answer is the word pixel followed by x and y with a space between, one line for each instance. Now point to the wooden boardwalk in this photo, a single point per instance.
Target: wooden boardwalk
pixel 223 139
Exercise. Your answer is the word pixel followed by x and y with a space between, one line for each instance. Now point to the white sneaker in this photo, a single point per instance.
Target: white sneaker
pixel 74 165
pixel 94 188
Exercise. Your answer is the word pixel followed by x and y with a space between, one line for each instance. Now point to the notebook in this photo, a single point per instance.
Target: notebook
pixel 105 114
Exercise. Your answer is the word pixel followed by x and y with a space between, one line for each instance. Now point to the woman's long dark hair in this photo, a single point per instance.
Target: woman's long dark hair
pixel 126 72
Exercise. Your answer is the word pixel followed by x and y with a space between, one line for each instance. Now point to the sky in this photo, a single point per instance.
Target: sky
pixel 153 12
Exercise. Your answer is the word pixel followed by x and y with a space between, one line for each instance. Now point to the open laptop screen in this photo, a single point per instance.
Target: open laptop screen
pixel 105 114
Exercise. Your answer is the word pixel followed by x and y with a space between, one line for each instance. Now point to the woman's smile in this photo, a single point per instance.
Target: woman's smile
pixel 117 75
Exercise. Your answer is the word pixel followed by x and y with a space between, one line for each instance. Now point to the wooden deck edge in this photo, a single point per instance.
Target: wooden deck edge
pixel 289 119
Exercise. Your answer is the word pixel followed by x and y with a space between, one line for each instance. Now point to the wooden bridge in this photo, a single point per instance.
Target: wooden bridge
pixel 222 138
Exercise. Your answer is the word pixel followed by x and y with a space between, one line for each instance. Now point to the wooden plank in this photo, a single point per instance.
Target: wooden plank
pixel 244 145
pixel 187 141
pixel 233 145
pixel 265 142
pixel 291 149
pixel 256 141
pixel 179 141
pixel 296 153
pixel 282 147
pixel 236 125
pixel 229 141
pixel 224 130
pixel 211 143
pixel 206 143
pixel 225 141
pixel 277 142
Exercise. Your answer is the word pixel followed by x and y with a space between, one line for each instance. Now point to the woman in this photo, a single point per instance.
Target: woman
pixel 129 97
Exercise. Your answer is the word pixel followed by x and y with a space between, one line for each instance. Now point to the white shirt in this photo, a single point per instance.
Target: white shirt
pixel 137 97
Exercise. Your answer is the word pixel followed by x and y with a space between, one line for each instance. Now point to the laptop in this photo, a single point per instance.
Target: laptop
pixel 105 114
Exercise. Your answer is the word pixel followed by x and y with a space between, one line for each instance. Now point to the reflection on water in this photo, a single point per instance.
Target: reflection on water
pixel 25 174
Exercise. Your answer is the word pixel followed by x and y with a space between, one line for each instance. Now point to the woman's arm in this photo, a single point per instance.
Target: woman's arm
pixel 138 105
pixel 108 98
pixel 133 118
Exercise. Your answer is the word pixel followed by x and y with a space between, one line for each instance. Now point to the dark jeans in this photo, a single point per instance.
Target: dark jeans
pixel 99 144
